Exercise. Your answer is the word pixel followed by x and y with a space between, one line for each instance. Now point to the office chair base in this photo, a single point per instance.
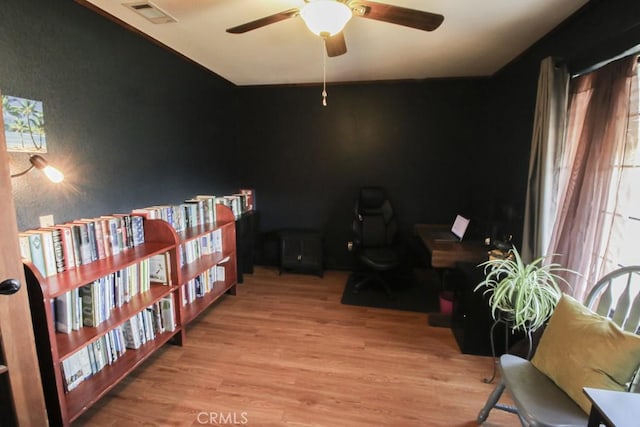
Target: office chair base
pixel 364 282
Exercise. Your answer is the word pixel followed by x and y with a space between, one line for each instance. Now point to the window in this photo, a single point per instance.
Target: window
pixel 624 206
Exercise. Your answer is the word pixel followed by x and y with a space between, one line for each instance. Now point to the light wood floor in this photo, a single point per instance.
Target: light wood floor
pixel 285 352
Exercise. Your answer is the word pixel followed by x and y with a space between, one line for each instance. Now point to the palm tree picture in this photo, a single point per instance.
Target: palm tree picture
pixel 23 124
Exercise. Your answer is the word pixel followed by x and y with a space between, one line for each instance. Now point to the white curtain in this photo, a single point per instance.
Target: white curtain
pixel 547 145
pixel 597 132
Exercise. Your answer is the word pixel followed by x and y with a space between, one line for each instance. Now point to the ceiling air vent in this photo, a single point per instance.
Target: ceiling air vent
pixel 151 12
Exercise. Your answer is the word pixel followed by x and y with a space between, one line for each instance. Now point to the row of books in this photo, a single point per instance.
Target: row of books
pixel 106 350
pixel 93 303
pixel 65 246
pixel 199 210
pixel 207 244
pixel 196 211
pixel 61 247
pixel 239 203
pixel 203 283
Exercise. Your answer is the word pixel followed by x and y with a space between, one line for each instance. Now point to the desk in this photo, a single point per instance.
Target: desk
pixel 471 320
pixel 613 408
pixel 448 254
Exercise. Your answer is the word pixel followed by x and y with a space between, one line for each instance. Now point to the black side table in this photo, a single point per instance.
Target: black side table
pixel 301 251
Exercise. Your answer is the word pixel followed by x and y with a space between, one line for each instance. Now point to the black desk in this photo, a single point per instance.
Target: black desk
pixel 449 254
pixel 471 320
pixel 613 408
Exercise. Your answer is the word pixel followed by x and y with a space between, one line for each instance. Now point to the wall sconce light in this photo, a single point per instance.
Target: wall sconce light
pixel 39 162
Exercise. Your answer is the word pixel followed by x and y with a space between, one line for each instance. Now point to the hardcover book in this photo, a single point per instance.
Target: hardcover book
pixel 90 305
pixel 83 242
pixel 58 252
pixel 68 252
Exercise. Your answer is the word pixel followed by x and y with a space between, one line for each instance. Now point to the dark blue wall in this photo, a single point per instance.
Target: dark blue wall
pixel 423 141
pixel 134 125
pixel 130 123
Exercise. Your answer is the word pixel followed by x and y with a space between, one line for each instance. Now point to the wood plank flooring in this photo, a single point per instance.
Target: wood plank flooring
pixel 285 352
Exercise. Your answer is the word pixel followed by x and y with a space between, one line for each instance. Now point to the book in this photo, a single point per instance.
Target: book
pixel 82 242
pixel 58 252
pixel 72 370
pixel 64 313
pixel 137 229
pixel 68 251
pixel 88 232
pixel 90 305
pixel 76 309
pixel 25 250
pixel 209 207
pixel 150 212
pixel 196 209
pixel 131 333
pixel 37 252
pixel 251 201
pixel 126 230
pixel 168 313
pixel 96 230
pixel 106 238
pixel 84 362
pixel 92 358
pixel 115 233
pixel 46 243
pixel 69 233
pixel 160 268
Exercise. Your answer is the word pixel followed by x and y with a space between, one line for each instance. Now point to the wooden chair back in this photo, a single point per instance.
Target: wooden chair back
pixel 617 296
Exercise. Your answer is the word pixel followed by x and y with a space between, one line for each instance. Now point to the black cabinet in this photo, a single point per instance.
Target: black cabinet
pixel 246 232
pixel 471 319
pixel 301 251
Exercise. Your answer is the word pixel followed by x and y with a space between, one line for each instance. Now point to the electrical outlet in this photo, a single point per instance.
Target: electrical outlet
pixel 46 220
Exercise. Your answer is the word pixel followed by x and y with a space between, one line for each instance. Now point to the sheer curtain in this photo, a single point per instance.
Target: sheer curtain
pixel 547 146
pixel 598 117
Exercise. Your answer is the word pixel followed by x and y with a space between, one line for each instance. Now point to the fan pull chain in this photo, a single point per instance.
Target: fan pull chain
pixel 324 75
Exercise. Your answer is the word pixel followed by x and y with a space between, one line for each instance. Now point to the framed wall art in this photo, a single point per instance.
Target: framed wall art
pixel 23 125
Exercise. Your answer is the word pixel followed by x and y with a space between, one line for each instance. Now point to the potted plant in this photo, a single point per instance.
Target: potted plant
pixel 523 294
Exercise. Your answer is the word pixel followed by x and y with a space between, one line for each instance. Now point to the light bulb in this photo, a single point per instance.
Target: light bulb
pixel 53 174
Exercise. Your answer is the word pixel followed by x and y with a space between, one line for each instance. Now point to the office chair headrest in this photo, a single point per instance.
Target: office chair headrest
pixel 371 197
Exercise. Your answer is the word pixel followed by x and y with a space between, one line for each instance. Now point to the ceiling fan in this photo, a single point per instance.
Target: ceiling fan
pixel 327 18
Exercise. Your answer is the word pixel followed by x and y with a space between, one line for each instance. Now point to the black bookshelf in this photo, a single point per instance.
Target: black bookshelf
pixel 247 226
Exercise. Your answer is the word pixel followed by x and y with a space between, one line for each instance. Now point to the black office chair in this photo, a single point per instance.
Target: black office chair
pixel 375 243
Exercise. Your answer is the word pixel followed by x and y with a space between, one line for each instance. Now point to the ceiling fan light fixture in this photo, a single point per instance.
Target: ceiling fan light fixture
pixel 325 18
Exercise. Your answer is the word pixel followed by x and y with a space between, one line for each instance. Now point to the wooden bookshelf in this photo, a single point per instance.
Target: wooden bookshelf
pixel 54 347
pixel 227 258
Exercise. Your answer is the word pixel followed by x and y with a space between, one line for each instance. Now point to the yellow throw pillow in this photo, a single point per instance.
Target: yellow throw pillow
pixel 580 348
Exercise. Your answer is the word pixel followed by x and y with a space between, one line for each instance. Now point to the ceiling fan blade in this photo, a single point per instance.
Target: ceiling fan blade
pixel 413 18
pixel 271 19
pixel 335 45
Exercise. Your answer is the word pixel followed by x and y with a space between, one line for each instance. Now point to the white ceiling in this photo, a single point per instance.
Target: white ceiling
pixel 477 38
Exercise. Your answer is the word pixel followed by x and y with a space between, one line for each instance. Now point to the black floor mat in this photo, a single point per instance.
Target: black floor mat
pixel 417 291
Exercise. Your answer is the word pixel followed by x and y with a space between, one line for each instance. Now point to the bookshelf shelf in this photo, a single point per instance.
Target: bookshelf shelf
pixel 63 282
pixel 88 392
pixel 58 350
pixel 225 258
pixel 69 343
pixel 194 309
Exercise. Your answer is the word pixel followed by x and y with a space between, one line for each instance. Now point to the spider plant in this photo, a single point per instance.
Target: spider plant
pixel 526 294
